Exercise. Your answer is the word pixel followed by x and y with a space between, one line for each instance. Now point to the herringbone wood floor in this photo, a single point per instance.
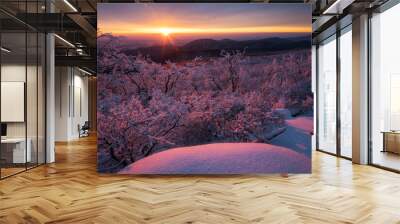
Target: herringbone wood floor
pixel 70 191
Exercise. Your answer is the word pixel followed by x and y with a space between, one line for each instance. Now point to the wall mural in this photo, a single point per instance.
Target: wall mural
pixel 190 88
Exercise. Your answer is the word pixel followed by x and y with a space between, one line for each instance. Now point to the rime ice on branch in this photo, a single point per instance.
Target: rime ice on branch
pixel 146 107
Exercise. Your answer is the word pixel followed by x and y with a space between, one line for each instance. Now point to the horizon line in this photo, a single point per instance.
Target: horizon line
pixel 238 30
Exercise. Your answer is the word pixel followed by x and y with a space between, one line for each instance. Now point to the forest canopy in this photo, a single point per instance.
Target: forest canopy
pixel 145 107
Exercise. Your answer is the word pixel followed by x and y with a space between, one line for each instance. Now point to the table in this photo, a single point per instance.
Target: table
pixel 13 150
pixel 391 141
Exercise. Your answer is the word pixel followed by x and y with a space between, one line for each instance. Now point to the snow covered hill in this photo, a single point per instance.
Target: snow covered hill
pixel 222 158
pixel 286 154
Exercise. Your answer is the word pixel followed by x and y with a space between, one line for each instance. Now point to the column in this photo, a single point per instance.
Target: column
pixel 360 90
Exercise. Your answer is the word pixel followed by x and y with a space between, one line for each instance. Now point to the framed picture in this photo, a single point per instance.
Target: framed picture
pixel 204 88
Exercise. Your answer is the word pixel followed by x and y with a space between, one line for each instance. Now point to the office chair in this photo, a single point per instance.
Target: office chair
pixel 84 130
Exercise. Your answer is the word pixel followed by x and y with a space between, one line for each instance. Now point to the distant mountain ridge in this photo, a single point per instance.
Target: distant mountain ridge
pixel 212 47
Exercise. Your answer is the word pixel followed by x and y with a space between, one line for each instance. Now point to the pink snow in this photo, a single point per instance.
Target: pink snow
pixel 297 135
pixel 222 158
pixel 285 154
pixel 304 123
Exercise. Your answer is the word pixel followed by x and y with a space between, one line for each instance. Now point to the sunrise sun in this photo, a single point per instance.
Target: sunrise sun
pixel 165 31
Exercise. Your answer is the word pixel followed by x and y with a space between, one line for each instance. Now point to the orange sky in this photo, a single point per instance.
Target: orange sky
pixel 172 29
pixel 131 19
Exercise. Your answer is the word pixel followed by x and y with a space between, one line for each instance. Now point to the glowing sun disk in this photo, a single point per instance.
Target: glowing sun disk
pixel 165 31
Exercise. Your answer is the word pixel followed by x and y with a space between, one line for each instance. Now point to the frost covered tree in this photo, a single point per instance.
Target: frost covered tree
pixel 145 107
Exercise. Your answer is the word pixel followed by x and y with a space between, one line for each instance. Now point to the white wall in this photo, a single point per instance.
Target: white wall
pixel 81 84
pixel 62 81
pixel 13 72
pixel 71 102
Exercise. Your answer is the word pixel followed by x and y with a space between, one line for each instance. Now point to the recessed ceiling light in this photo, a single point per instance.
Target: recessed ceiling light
pixel 338 6
pixel 86 72
pixel 5 50
pixel 64 40
pixel 70 5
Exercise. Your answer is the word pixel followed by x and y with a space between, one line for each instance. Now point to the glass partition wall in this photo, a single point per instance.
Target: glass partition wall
pixel 22 78
pixel 327 78
pixel 385 89
pixel 334 94
pixel 345 91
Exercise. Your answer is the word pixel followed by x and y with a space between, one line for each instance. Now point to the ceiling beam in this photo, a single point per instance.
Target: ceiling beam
pixel 84 24
pixel 80 61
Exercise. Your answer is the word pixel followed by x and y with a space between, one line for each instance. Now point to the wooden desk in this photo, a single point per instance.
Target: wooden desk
pixel 13 150
pixel 391 141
